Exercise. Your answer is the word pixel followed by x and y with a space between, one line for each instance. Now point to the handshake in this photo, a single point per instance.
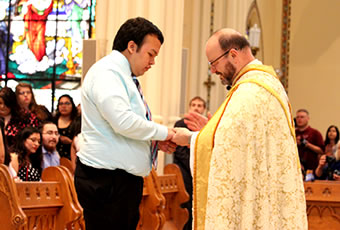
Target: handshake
pixel 176 136
pixel 182 136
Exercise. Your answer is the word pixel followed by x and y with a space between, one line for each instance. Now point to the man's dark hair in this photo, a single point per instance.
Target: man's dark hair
pixel 135 29
pixel 232 41
pixel 198 98
pixel 42 125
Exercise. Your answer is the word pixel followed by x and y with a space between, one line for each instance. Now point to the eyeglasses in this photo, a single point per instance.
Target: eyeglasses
pixel 225 53
pixel 64 103
pixel 50 132
pixel 25 92
pixel 34 140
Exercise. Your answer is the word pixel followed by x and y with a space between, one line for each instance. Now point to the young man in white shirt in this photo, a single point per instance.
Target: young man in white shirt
pixel 118 146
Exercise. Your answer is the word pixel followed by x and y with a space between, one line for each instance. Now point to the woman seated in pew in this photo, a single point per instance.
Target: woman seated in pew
pixel 332 138
pixel 15 119
pixel 329 167
pixel 26 101
pixel 26 161
pixel 65 119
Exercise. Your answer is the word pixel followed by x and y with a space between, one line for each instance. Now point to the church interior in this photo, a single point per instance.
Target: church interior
pixel 297 38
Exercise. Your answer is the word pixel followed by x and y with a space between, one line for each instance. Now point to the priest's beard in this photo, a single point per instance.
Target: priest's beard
pixel 227 75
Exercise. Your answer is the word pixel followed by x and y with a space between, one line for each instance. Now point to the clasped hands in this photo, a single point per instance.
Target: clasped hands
pixel 182 136
pixel 176 136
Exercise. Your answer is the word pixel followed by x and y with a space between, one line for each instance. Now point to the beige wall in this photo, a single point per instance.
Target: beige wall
pixel 314 42
pixel 270 16
pixel 314 70
pixel 313 79
pixel 196 31
pixel 227 13
pixel 161 83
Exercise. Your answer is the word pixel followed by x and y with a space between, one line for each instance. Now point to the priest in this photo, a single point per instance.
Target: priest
pixel 246 167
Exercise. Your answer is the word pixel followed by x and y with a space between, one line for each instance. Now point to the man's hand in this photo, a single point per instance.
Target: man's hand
pixel 167 146
pixel 171 133
pixel 298 140
pixel 182 137
pixel 196 121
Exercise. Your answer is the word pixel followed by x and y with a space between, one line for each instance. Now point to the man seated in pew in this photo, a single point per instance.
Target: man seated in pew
pixel 329 167
pixel 26 160
pixel 50 139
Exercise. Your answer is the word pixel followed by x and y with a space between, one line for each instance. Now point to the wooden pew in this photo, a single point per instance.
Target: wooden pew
pixel 162 198
pixel 323 204
pixel 173 189
pixel 67 163
pixel 49 204
pixel 79 222
pixel 152 204
pixel 53 203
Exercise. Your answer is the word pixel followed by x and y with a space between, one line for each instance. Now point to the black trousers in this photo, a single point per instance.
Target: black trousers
pixel 110 198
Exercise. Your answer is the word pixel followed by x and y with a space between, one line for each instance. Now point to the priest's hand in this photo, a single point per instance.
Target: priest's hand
pixel 182 137
pixel 196 121
pixel 167 146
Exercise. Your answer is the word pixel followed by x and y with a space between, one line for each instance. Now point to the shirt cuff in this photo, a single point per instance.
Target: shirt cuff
pixel 162 132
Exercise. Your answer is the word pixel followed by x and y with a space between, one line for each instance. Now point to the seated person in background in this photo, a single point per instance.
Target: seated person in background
pixel 26 161
pixel 4 155
pixel 332 138
pixel 65 120
pixel 309 141
pixel 15 119
pixel 75 146
pixel 50 138
pixel 329 167
pixel 26 100
pixel 182 153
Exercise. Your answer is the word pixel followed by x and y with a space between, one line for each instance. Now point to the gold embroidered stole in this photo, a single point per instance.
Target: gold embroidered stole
pixel 205 143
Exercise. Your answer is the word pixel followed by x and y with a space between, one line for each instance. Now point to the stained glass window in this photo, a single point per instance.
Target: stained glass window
pixel 41 41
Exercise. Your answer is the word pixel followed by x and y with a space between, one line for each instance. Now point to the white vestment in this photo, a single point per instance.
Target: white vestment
pixel 255 180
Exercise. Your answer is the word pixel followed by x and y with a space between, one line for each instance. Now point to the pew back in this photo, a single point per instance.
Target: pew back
pixel 323 204
pixel 162 198
pixel 152 204
pixel 49 204
pixel 173 189
pixel 53 204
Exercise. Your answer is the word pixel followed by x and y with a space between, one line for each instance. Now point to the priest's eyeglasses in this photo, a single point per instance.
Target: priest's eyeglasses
pixel 225 53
